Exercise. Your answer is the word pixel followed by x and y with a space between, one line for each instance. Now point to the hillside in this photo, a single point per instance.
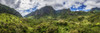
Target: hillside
pixel 75 24
pixel 6 9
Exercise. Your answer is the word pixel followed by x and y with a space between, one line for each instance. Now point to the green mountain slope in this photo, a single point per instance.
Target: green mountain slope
pixel 5 9
pixel 11 24
pixel 75 24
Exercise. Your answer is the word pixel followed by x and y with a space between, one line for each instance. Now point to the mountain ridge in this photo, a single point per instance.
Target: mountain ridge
pixel 48 10
pixel 6 9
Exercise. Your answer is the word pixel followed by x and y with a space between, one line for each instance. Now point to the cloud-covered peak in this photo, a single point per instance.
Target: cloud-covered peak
pixel 27 6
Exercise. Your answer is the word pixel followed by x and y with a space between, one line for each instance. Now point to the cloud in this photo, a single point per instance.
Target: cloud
pixel 92 4
pixel 23 5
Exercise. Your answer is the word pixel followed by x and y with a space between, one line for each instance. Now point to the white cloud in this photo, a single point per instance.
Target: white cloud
pixel 56 4
pixel 23 13
pixel 92 4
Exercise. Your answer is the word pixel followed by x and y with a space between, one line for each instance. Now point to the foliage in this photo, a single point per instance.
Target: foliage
pixel 12 24
pixel 48 24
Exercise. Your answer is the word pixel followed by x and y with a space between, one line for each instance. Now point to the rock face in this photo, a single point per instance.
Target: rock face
pixel 5 9
pixel 48 10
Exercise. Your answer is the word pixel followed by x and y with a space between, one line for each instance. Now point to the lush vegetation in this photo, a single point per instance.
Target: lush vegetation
pixel 63 22
pixel 48 24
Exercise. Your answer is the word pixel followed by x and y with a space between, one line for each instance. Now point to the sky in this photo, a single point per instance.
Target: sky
pixel 27 6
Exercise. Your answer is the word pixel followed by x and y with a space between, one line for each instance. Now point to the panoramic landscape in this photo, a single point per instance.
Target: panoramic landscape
pixel 49 16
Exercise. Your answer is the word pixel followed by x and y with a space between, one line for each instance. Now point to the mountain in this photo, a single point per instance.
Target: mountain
pixel 95 10
pixel 6 9
pixel 64 13
pixel 47 10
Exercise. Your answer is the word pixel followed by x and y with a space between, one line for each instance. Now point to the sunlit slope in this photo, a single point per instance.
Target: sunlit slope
pixel 11 24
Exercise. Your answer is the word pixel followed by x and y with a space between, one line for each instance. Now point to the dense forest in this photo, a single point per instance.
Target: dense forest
pixel 62 21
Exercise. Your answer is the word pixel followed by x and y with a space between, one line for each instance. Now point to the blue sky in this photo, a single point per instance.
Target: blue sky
pixel 80 8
